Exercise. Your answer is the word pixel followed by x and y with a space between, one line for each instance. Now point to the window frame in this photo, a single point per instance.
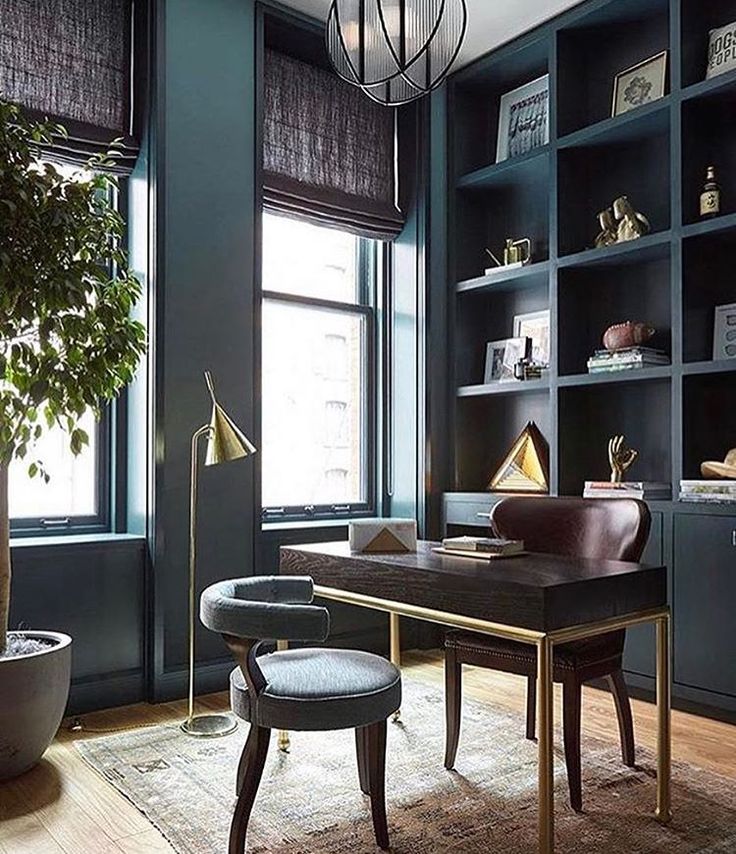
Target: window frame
pixel 366 308
pixel 100 522
pixel 110 445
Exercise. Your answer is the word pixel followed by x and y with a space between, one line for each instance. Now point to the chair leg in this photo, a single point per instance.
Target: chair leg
pixel 531 708
pixel 361 749
pixel 250 772
pixel 620 693
pixel 453 705
pixel 376 749
pixel 571 700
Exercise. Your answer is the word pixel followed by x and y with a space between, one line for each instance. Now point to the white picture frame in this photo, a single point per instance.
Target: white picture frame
pixel 501 358
pixel 523 119
pixel 724 332
pixel 536 326
pixel 641 84
pixel 721 50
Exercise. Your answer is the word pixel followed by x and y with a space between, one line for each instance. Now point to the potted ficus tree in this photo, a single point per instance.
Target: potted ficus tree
pixel 67 345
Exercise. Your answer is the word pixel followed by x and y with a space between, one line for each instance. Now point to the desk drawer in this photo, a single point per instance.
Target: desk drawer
pixel 468 509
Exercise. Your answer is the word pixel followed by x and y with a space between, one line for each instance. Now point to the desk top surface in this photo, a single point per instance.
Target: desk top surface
pixel 536 591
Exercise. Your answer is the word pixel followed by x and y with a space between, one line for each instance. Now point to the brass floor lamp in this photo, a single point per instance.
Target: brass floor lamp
pixel 225 442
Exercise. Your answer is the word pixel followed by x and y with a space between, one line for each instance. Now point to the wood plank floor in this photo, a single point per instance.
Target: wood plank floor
pixel 63 807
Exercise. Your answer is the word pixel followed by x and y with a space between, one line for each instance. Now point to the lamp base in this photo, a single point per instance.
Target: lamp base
pixel 209 726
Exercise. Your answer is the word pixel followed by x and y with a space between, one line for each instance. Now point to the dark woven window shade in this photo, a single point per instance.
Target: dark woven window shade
pixel 328 151
pixel 69 60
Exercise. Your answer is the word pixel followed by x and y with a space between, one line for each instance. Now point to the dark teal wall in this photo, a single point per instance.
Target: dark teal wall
pixel 205 163
pixel 93 591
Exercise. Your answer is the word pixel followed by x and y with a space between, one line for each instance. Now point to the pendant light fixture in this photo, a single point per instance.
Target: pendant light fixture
pixel 395 50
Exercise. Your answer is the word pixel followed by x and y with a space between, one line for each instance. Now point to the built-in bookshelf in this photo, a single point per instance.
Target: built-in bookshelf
pixel 676 415
pixel 674 277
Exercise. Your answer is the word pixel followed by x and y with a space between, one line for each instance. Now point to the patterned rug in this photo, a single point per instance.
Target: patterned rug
pixel 310 801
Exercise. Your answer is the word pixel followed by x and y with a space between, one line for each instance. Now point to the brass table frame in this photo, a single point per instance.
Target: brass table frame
pixel 544 642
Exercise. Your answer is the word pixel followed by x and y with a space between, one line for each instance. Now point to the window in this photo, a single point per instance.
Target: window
pixel 76 494
pixel 318 376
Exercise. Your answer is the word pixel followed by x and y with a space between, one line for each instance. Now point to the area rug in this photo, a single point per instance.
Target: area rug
pixel 310 802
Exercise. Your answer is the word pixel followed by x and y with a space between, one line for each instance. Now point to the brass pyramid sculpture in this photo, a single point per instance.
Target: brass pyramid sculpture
pixel 526 467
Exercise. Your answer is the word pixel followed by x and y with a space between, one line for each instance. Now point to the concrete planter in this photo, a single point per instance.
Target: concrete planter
pixel 34 689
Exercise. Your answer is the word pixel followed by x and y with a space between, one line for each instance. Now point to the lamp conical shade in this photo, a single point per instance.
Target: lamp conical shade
pixel 225 442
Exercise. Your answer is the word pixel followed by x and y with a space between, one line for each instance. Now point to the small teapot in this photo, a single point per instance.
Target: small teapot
pixel 517 251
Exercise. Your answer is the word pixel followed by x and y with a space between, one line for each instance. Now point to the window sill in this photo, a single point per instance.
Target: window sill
pixel 307 524
pixel 57 540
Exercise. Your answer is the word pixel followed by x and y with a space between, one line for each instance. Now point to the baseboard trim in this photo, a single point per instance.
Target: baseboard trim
pixel 105 692
pixel 719 707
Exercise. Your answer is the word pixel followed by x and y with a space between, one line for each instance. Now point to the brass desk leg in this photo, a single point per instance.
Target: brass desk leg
pixel 664 720
pixel 395 648
pixel 545 724
pixel 284 741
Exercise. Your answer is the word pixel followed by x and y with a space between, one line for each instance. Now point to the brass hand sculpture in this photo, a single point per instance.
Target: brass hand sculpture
pixel 620 457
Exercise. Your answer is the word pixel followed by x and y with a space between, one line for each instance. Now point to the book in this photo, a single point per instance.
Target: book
pixel 485 545
pixel 708 491
pixel 631 357
pixel 643 490
pixel 714 498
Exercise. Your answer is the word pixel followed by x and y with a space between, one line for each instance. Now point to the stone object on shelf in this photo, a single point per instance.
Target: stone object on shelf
pixel 721 471
pixel 621 336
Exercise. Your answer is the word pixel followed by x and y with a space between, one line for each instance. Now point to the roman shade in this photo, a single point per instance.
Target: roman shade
pixel 329 153
pixel 70 61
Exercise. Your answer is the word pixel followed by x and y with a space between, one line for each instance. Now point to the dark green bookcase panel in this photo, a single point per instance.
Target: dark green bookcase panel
pixel 594 296
pixel 490 423
pixel 698 18
pixel 709 419
pixel 708 280
pixel 709 139
pixel 590 415
pixel 597 45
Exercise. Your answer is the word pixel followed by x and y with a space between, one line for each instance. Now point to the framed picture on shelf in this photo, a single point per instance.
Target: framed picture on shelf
pixel 724 332
pixel 641 84
pixel 721 50
pixel 523 119
pixel 535 325
pixel 502 356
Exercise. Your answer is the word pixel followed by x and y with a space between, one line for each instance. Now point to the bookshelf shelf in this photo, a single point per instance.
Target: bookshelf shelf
pixel 512 387
pixel 607 378
pixel 647 248
pixel 531 276
pixel 634 126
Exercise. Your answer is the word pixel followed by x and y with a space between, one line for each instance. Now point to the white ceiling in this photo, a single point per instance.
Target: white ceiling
pixel 490 22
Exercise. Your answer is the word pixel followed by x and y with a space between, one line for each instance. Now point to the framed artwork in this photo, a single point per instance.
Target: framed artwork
pixel 502 356
pixel 640 84
pixel 724 332
pixel 523 119
pixel 721 50
pixel 535 325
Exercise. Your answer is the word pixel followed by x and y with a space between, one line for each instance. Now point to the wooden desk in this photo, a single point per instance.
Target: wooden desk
pixel 541 600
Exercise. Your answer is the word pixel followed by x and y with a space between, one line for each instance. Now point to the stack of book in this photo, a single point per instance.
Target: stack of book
pixel 483 545
pixel 643 490
pixel 708 491
pixel 627 359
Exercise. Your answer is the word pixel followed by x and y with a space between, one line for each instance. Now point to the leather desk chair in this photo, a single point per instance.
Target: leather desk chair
pixel 607 529
pixel 301 689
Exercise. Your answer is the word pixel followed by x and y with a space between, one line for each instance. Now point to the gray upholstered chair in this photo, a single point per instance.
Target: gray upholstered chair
pixel 300 689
